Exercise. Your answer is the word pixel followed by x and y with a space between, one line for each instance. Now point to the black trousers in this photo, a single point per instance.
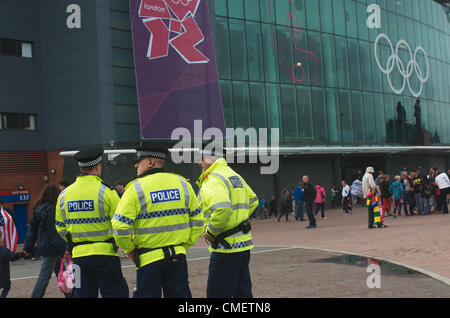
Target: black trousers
pixel 310 213
pixel 371 216
pixel 284 211
pixel 443 199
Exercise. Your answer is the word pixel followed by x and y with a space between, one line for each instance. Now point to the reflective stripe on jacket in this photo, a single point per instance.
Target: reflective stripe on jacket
pixel 85 209
pixel 227 201
pixel 158 209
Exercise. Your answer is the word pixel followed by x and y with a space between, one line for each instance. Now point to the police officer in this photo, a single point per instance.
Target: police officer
pixel 227 202
pixel 83 213
pixel 157 220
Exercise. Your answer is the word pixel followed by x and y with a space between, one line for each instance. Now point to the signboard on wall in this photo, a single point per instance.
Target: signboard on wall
pixel 15 196
pixel 176 72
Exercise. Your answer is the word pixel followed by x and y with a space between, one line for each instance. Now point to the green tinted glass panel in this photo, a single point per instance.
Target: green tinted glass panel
pixel 236 9
pixel 241 103
pixel 220 7
pixel 273 101
pixel 305 114
pixel 391 135
pixel 126 114
pixel 316 68
pixel 252 10
pixel 363 30
pixel 355 70
pixel 227 101
pixel 121 39
pixel 255 52
pixel 319 114
pixel 326 16
pixel 351 18
pixel 289 113
pixel 282 9
pixel 366 65
pixel 300 14
pixel 345 107
pixel 121 57
pixel 342 62
pixel 377 75
pixel 379 117
pixel 329 60
pixel 270 61
pixel 304 57
pixel 285 54
pixel 357 116
pixel 369 118
pixel 267 11
pixel 125 95
pixel 120 20
pixel 333 114
pixel 339 17
pixel 313 16
pixel 223 54
pixel 258 105
pixel 238 48
pixel 124 76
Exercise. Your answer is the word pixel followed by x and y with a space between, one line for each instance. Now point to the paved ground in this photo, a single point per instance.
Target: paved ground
pixel 281 269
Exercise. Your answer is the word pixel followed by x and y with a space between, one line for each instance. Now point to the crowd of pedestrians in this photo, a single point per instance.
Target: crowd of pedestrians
pixel 409 193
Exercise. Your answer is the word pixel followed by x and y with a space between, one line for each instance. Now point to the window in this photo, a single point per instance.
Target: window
pixel 16 48
pixel 238 46
pixel 17 121
pixel 289 113
pixel 254 49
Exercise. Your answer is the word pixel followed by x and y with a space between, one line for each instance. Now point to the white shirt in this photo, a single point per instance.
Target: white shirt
pixel 345 191
pixel 442 181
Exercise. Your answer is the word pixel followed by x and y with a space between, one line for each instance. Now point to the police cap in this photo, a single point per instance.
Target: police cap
pixel 151 152
pixel 89 157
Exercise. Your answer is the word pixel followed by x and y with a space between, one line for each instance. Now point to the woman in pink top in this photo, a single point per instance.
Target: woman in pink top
pixel 319 202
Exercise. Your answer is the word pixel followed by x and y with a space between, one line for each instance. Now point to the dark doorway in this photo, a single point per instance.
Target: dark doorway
pixel 20 211
pixel 355 166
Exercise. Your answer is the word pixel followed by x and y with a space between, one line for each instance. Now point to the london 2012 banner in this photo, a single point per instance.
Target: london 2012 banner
pixel 176 72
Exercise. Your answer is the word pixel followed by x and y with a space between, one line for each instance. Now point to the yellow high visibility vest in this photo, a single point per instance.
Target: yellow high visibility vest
pixel 85 209
pixel 227 201
pixel 157 210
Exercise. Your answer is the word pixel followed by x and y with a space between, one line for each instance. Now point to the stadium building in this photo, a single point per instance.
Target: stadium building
pixel 339 78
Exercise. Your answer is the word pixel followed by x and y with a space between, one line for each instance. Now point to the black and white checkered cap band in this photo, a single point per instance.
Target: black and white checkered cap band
pixel 153 154
pixel 91 163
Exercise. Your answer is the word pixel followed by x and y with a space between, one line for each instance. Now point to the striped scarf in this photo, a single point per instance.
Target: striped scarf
pixel 372 201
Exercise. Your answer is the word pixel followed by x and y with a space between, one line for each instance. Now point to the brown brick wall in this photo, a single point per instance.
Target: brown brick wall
pixel 33 181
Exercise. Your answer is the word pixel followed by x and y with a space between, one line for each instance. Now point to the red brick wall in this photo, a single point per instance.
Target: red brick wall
pixel 33 181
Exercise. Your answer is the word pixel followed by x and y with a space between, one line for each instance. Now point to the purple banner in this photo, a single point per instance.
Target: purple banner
pixel 176 70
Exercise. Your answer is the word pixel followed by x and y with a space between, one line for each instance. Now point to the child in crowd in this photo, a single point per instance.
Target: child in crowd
pixel 5 257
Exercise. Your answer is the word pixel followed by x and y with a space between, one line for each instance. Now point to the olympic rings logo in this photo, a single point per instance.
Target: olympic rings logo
pixel 411 67
pixel 185 2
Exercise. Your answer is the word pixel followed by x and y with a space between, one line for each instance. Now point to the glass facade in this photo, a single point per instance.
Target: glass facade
pixel 309 67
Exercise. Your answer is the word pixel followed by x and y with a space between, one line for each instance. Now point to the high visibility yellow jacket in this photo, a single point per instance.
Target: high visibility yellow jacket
pixel 227 201
pixel 156 210
pixel 85 209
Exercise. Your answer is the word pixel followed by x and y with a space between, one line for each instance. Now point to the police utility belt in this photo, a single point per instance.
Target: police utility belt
pixel 111 240
pixel 245 227
pixel 169 253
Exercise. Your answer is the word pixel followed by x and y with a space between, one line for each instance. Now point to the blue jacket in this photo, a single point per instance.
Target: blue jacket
pixel 262 203
pixel 42 230
pixel 396 189
pixel 298 194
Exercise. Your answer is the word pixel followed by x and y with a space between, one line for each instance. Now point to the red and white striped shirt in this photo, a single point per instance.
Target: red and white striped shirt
pixel 8 229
